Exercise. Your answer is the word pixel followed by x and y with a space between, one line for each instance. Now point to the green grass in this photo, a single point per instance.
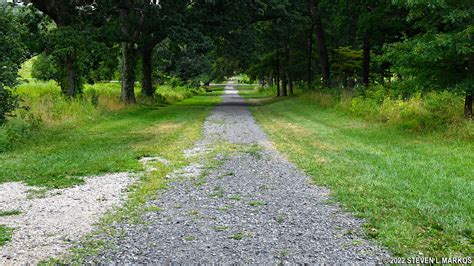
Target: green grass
pixel 57 156
pixel 9 213
pixel 256 203
pixel 414 190
pixel 5 235
pixel 255 92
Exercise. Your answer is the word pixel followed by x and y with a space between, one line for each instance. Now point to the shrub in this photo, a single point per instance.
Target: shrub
pixel 364 107
pixel 43 68
pixel 444 107
pixel 8 103
pixel 18 129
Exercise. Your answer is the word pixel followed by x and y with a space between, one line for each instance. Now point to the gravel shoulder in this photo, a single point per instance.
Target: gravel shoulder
pixel 51 221
pixel 253 207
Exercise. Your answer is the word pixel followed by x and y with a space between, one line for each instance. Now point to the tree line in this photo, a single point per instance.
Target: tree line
pixel 424 44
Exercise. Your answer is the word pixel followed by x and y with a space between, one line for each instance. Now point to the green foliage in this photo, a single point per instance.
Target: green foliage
pixel 12 49
pixel 12 54
pixel 441 56
pixel 347 63
pixel 8 103
pixel 436 60
pixel 430 111
pixel 44 68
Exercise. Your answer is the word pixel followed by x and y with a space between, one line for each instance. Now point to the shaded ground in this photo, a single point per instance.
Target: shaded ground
pixel 255 207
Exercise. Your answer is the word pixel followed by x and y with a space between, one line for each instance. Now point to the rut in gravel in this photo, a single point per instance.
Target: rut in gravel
pixel 256 207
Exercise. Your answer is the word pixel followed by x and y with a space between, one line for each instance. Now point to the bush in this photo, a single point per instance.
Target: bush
pixel 8 103
pixel 43 68
pixel 18 129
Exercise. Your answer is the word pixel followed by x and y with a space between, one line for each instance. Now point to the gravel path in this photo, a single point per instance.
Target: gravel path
pixel 51 221
pixel 256 207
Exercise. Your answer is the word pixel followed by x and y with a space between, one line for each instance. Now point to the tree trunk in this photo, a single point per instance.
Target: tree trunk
pixel 284 86
pixel 278 74
pixel 128 73
pixel 323 51
pixel 310 47
pixel 71 87
pixel 147 81
pixel 366 62
pixel 468 105
pixel 291 86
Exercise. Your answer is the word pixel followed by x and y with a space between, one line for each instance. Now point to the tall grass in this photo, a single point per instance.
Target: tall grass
pixel 44 106
pixel 440 111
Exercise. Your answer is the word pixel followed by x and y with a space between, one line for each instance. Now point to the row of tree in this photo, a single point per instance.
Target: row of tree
pixel 428 44
pixel 327 43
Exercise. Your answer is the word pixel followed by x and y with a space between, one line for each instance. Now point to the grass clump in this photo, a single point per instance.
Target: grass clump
pixel 189 238
pixel 220 228
pixel 237 236
pixel 235 197
pixel 256 203
pixel 9 213
pixel 5 234
pixel 412 189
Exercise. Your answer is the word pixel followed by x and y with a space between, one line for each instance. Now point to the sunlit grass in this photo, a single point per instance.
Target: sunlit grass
pixel 414 190
pixel 87 141
pixel 5 235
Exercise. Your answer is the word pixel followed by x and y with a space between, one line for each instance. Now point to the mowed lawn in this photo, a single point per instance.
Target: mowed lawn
pixel 416 191
pixel 58 156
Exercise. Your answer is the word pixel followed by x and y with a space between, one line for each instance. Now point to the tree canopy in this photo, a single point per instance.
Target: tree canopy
pixel 319 43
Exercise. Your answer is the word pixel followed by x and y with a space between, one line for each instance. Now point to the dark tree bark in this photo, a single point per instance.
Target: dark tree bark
pixel 366 62
pixel 148 89
pixel 310 46
pixel 278 74
pixel 128 73
pixel 284 91
pixel 322 48
pixel 287 65
pixel 71 88
pixel 130 33
pixel 383 67
pixel 291 86
pixel 468 113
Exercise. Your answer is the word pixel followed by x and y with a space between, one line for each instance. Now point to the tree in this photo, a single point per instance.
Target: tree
pixel 321 42
pixel 12 53
pixel 67 39
pixel 441 55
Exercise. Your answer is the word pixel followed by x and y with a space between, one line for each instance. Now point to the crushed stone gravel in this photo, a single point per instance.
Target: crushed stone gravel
pixel 53 221
pixel 256 207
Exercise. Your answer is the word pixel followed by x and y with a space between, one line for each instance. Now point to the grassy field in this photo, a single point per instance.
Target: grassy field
pixel 414 190
pixel 86 141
